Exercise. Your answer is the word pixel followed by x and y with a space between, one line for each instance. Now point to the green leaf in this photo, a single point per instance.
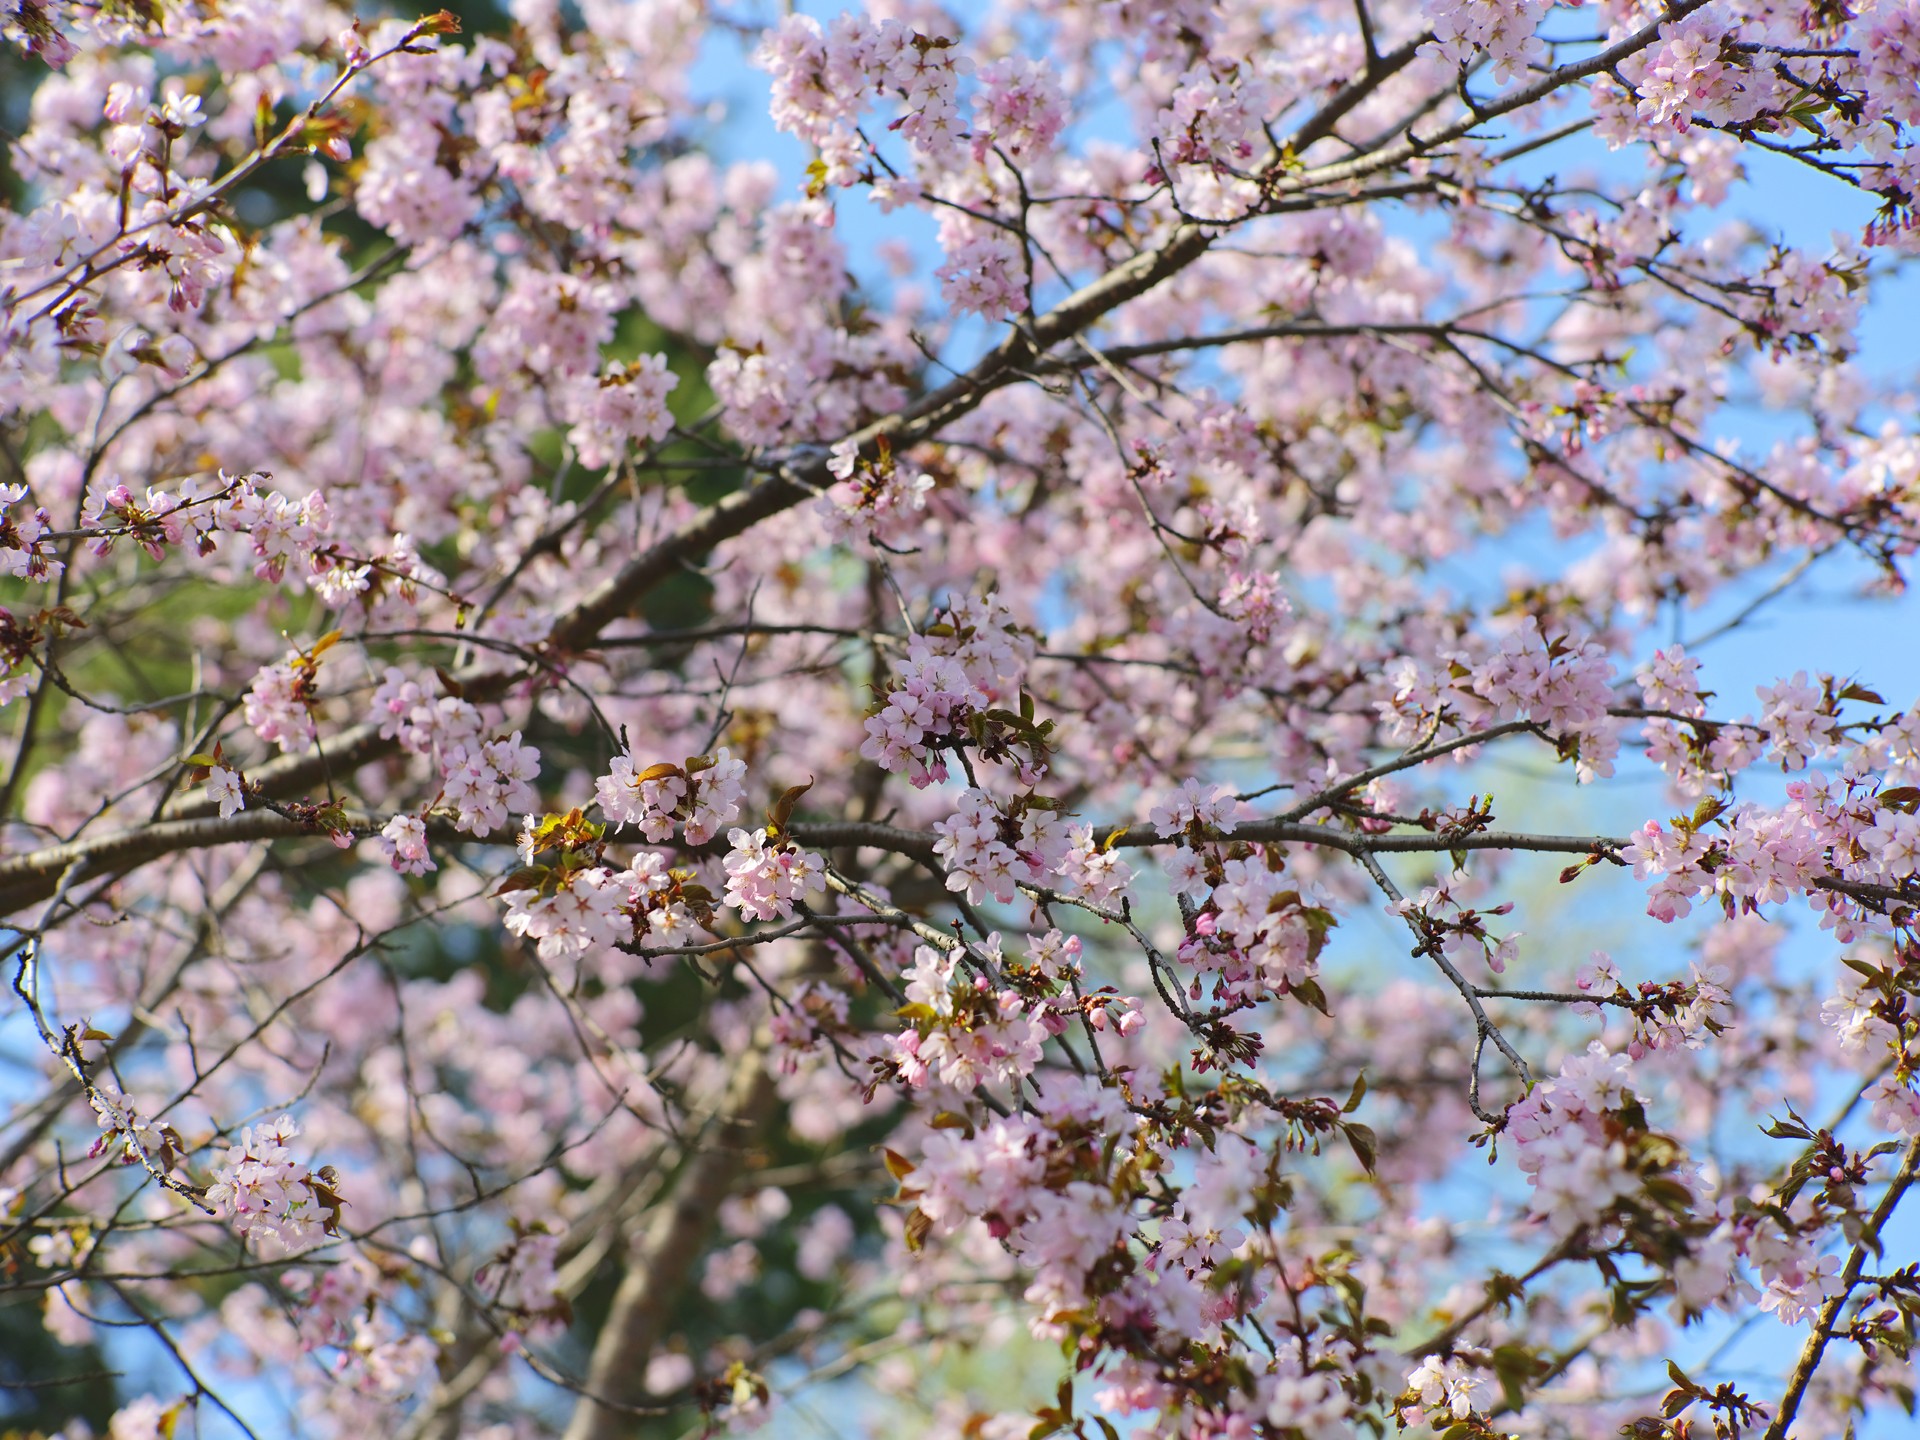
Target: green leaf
pixel 1366 1147
pixel 1514 1366
pixel 1670 1193
pixel 1310 993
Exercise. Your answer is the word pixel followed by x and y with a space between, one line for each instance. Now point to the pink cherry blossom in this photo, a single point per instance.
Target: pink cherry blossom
pixel 701 702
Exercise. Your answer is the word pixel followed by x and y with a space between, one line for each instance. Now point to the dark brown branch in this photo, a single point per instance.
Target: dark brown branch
pixel 28 878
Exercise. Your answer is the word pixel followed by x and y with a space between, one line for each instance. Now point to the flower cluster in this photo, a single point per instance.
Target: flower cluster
pixel 1195 808
pixel 525 1283
pixel 823 79
pixel 579 912
pixel 669 900
pixel 698 796
pixel 1561 683
pixel 1750 855
pixel 279 703
pixel 1459 930
pixel 350 1308
pixel 1799 720
pixel 153 524
pixel 969 663
pixel 281 529
pixel 1891 53
pixel 403 840
pixel 628 403
pixel 990 849
pixel 488 780
pixel 757 390
pixel 985 273
pixel 272 1197
pixel 25 553
pixel 1796 1278
pixel 1273 934
pixel 1091 869
pixel 1692 72
pixel 980 1017
pixel 1439 1389
pixel 419 724
pixel 1215 116
pixel 768 875
pixel 878 499
pixel 192 514
pixel 1502 30
pixel 1583 1142
pixel 140 1139
pixel 1061 1224
pixel 1020 109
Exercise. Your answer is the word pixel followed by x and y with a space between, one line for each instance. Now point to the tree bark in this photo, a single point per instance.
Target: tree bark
pixel 661 1263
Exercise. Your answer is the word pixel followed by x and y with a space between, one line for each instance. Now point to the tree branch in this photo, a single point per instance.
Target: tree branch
pixel 1829 1315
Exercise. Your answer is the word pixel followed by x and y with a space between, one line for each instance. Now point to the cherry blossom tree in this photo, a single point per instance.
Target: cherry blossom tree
pixel 644 795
